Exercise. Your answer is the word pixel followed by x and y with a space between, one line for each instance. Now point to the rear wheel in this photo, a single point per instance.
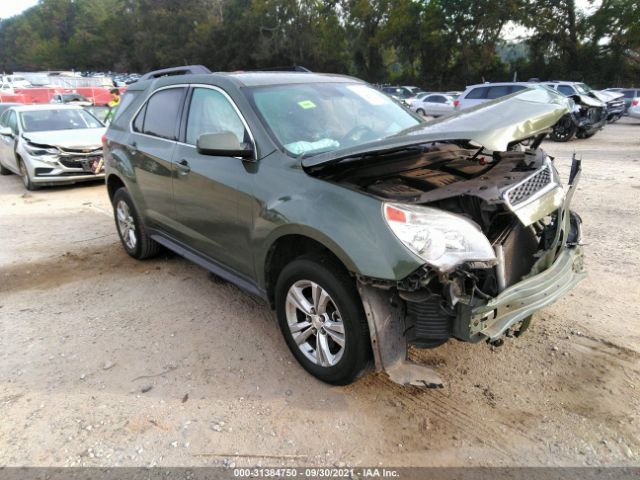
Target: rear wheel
pixel 322 319
pixel 26 178
pixel 132 232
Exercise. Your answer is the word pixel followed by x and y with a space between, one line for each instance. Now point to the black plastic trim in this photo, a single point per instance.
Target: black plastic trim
pixel 207 263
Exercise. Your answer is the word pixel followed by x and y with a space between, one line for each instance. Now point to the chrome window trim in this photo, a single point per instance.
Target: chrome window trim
pixel 193 85
pixel 133 117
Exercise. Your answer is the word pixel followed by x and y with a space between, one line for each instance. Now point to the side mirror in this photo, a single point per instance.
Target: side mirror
pixel 6 131
pixel 223 144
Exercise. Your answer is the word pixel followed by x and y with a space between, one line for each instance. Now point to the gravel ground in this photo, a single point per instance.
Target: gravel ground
pixel 106 361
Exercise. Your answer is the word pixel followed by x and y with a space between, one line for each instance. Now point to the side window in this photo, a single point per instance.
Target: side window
pixel 3 118
pixel 517 88
pixel 161 113
pixel 629 93
pixel 211 112
pixel 566 90
pixel 498 91
pixel 138 123
pixel 439 99
pixel 478 93
pixel 12 122
pixel 125 101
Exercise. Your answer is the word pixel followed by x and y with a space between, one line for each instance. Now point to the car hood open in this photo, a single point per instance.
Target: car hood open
pixel 494 125
pixel 79 139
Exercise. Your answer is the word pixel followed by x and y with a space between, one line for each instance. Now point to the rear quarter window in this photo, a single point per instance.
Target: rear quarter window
pixel 161 114
pixel 498 91
pixel 477 93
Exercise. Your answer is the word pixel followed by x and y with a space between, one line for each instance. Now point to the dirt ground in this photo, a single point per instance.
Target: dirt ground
pixel 106 361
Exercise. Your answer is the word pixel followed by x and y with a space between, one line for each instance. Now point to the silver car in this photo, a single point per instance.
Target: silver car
pixel 51 145
pixel 435 105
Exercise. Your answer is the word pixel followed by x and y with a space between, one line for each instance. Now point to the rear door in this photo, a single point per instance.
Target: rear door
pixel 213 194
pixel 155 132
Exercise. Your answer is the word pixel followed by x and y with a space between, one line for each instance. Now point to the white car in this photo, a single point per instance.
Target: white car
pixel 434 105
pixel 51 145
pixel 483 92
pixel 634 108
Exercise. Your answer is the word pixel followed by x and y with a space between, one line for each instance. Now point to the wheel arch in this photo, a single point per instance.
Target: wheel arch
pixel 293 244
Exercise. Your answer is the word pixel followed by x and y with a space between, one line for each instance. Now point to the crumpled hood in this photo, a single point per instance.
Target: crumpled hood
pixel 497 123
pixel 494 125
pixel 79 139
pixel 606 96
pixel 589 101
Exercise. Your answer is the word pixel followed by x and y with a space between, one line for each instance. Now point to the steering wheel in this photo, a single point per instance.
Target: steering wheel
pixel 357 133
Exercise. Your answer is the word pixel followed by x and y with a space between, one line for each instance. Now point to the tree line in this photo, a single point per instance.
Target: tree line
pixel 436 44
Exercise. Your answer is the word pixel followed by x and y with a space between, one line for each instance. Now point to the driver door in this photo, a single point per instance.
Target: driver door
pixel 213 194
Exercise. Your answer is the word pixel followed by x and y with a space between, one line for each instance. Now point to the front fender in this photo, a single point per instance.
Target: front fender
pixel 346 222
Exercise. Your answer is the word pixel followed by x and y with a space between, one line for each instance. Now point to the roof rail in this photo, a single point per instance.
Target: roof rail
pixel 185 70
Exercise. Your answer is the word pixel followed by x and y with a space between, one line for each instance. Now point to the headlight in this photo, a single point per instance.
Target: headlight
pixel 36 150
pixel 442 239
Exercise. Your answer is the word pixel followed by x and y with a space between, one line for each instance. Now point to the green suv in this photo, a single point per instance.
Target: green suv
pixel 366 228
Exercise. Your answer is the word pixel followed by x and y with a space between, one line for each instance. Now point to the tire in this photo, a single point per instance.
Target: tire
pixel 24 174
pixel 564 129
pixel 583 135
pixel 421 112
pixel 4 170
pixel 341 310
pixel 141 245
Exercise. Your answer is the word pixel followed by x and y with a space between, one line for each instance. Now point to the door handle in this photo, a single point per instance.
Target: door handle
pixel 183 166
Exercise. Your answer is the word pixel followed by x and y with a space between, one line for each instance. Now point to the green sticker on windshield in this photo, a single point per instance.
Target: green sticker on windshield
pixel 306 104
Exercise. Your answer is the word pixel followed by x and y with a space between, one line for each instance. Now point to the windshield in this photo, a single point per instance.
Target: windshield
pixel 322 117
pixel 583 88
pixel 48 120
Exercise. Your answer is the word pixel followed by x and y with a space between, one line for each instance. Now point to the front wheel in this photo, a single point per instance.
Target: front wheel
pixel 564 129
pixel 131 230
pixel 421 112
pixel 26 178
pixel 322 319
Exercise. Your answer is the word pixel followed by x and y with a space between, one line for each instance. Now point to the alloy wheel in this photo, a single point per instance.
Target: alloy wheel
pixel 126 225
pixel 315 323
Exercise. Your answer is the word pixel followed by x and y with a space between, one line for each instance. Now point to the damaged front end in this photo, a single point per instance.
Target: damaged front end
pixel 482 208
pixel 535 238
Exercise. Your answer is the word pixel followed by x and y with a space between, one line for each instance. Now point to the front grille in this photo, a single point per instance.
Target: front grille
pixel 530 186
pixel 72 162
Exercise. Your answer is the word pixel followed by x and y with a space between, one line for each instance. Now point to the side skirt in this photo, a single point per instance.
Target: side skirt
pixel 208 263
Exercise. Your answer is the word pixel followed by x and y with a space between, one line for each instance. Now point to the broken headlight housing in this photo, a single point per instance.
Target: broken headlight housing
pixel 442 239
pixel 44 154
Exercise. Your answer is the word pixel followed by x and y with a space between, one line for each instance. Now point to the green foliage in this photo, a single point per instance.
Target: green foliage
pixel 436 44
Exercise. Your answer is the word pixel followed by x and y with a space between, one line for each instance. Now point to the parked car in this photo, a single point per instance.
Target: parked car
pixel 402 93
pixel 483 92
pixel 51 145
pixel 71 99
pixel 365 227
pixel 634 107
pixel 435 105
pixel 629 95
pixel 586 117
pixel 613 101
